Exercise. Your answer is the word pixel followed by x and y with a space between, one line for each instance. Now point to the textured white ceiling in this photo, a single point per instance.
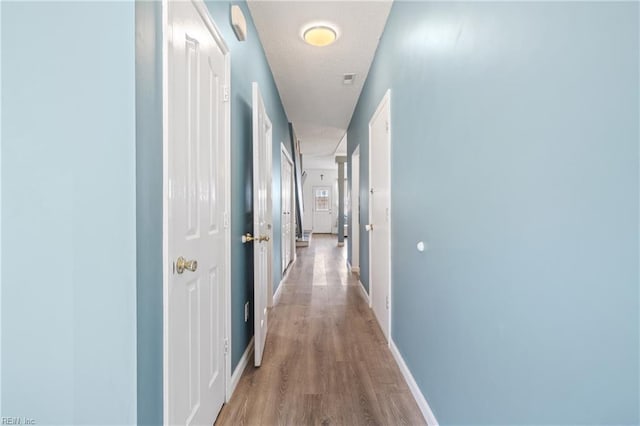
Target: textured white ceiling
pixel 309 78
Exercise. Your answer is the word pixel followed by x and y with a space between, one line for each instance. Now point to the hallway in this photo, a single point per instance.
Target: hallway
pixel 326 361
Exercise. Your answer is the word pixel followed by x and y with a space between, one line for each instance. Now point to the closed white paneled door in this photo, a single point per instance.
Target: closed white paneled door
pixel 197 173
pixel 380 213
pixel 262 244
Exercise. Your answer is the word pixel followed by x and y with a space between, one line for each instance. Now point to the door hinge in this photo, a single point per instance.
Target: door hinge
pixel 226 220
pixel 226 346
pixel 388 126
pixel 225 93
pixel 387 302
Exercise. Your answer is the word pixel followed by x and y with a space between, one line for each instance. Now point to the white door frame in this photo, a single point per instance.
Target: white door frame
pixel 284 156
pixel 166 262
pixel 386 99
pixel 355 210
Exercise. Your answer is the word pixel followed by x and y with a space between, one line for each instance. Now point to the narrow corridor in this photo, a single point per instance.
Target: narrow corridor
pixel 326 360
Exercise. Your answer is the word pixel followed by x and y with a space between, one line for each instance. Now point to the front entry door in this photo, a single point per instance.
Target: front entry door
pixel 196 230
pixel 262 247
pixel 322 209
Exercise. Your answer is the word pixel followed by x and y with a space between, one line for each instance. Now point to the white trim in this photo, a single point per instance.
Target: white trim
pixel 165 212
pixel 227 203
pixel 283 148
pixel 413 386
pixel 353 269
pixel 386 99
pixel 278 293
pixel 203 11
pixel 364 293
pixel 237 374
pixel 292 226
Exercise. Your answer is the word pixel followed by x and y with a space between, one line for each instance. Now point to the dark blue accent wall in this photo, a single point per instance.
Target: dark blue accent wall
pixel 515 158
pixel 149 210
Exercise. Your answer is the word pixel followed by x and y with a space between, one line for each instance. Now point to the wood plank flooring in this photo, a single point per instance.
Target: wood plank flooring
pixel 326 361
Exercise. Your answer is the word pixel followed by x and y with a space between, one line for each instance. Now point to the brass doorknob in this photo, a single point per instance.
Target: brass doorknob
pixel 247 238
pixel 182 264
pixel 263 238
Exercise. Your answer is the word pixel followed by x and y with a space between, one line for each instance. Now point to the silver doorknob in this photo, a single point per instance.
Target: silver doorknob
pixel 369 227
pixel 183 264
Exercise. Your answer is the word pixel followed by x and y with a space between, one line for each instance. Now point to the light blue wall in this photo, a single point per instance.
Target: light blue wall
pixel 248 64
pixel 149 210
pixel 68 212
pixel 515 158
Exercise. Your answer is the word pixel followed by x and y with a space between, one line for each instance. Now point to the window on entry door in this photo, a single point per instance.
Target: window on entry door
pixel 322 200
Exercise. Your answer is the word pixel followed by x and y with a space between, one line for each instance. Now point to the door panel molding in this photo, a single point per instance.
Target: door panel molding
pixel 217 282
pixel 262 220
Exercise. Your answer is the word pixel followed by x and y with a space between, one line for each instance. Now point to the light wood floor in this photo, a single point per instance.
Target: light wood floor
pixel 326 361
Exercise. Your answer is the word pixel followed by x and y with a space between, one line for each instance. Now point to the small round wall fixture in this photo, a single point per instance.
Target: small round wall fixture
pixel 320 35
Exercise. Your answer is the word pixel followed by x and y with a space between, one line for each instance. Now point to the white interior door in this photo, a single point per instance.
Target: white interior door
pixel 355 211
pixel 322 209
pixel 262 200
pixel 286 207
pixel 197 74
pixel 379 212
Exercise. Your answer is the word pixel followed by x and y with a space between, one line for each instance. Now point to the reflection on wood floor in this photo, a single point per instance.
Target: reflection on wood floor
pixel 326 361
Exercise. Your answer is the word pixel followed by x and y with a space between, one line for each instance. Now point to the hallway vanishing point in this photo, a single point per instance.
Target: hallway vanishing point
pixel 326 361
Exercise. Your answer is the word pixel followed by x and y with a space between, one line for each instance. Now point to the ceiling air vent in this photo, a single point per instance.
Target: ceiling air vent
pixel 348 78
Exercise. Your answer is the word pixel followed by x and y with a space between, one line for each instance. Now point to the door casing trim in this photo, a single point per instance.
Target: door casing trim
pixel 202 9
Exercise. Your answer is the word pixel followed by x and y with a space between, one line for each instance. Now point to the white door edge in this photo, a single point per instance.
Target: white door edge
pixel 355 213
pixel 386 99
pixel 166 262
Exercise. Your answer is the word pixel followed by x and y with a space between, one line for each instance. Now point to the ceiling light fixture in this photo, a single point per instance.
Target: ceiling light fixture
pixel 320 35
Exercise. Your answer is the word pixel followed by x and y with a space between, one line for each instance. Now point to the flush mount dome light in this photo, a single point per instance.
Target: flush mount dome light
pixel 319 35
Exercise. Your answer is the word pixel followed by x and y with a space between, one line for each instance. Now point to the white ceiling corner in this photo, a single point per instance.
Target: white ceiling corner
pixel 309 78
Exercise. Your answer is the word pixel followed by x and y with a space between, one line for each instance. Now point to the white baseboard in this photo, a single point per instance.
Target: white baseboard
pixel 355 270
pixel 235 377
pixel 364 293
pixel 276 296
pixel 413 386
